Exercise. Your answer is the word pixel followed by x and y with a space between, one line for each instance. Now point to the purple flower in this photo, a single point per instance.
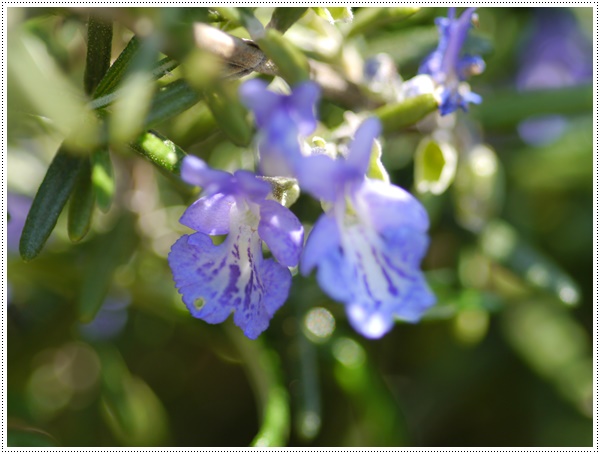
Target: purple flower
pixel 368 246
pixel 557 54
pixel 281 121
pixel 216 280
pixel 448 68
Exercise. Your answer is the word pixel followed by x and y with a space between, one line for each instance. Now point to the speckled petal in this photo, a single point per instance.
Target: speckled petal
pixel 231 277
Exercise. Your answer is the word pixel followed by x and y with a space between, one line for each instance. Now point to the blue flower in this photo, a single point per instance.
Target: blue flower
pixel 216 280
pixel 448 68
pixel 368 246
pixel 557 54
pixel 281 121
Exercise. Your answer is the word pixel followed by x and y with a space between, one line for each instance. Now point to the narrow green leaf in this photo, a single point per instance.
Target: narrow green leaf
pixel 229 113
pixel 110 250
pixel 371 19
pixel 135 94
pixel 435 166
pixel 171 100
pixel 284 17
pixel 395 117
pixel 502 243
pixel 292 63
pixel 165 155
pixel 118 69
pixel 98 52
pixel 103 179
pixel 49 201
pixel 504 110
pixel 82 203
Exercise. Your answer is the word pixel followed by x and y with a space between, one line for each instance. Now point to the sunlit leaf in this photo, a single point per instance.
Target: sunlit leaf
pixel 370 19
pixel 292 63
pixel 284 17
pixel 396 117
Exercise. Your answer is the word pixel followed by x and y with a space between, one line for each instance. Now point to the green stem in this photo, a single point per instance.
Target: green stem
pixel 262 366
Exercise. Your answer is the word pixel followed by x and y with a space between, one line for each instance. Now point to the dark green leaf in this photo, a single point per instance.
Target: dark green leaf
pixel 82 203
pixel 171 100
pixel 230 114
pixel 118 69
pixel 98 52
pixel 49 201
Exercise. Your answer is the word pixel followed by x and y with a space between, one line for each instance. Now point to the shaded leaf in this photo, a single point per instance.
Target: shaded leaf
pixel 81 204
pixel 98 52
pixel 229 113
pixel 49 201
pixel 110 250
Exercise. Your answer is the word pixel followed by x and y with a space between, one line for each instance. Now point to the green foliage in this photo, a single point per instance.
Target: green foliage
pixel 503 359
pixel 49 201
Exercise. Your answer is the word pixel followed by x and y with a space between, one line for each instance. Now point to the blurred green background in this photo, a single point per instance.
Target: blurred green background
pixel 102 352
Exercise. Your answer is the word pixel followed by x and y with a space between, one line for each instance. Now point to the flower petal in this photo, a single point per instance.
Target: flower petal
pixel 372 324
pixel 376 276
pixel 321 176
pixel 323 238
pixel 279 147
pixel 250 186
pixel 231 277
pixel 385 205
pixel 282 231
pixel 301 105
pixel 209 215
pixel 256 97
pixel 360 148
pixel 253 319
pixel 195 171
